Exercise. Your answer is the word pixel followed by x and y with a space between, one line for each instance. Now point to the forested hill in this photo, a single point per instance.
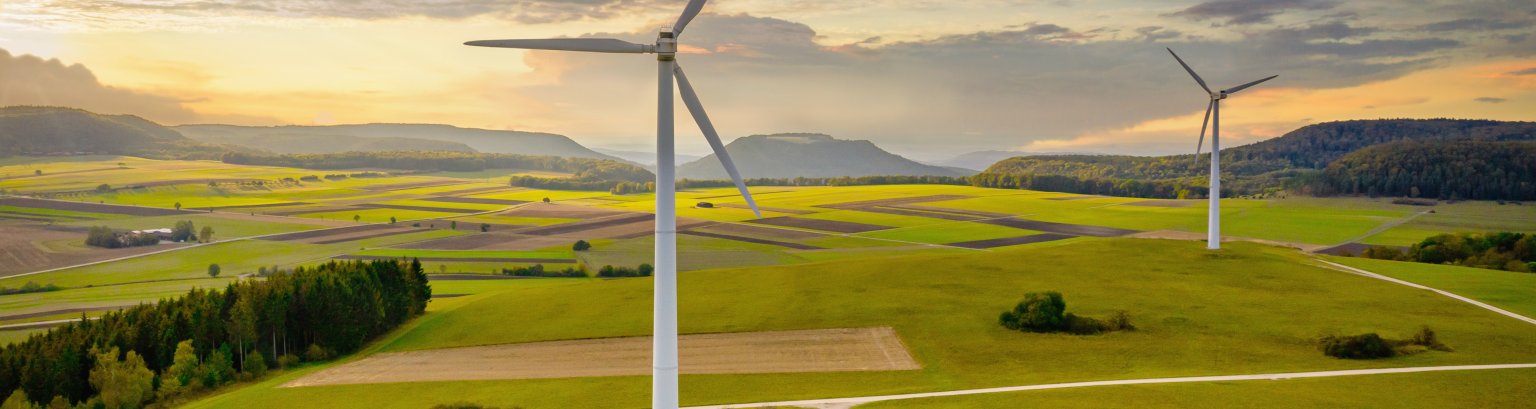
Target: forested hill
pixel 30 130
pixel 1288 161
pixel 1443 169
pixel 482 140
pixel 809 155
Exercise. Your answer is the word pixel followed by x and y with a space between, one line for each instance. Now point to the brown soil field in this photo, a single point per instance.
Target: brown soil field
pixel 362 235
pixel 475 200
pixel 585 225
pixel 1165 203
pixel 29 175
pixel 21 252
pixel 1062 228
pixel 766 209
pixel 796 246
pixel 175 182
pixel 918 213
pixel 829 350
pixel 754 194
pixel 413 185
pixel 418 208
pixel 467 259
pixel 489 241
pixel 816 224
pixel 477 190
pixel 90 207
pixel 558 211
pixel 747 230
pixel 44 217
pixel 260 206
pixel 977 213
pixel 272 219
pixel 1012 241
pixel 13 216
pixel 308 210
pixel 316 234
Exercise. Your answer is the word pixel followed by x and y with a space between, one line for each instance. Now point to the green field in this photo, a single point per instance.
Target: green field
pixel 1197 313
pixel 1512 291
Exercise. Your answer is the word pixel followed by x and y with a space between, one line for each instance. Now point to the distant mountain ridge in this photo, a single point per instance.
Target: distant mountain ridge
pixel 792 155
pixel 400 137
pixel 979 160
pixel 35 130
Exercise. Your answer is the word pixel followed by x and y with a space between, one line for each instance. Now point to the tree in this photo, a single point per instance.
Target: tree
pixel 39 172
pixel 183 369
pixel 178 205
pixel 357 218
pixel 546 200
pixel 255 365
pixel 485 227
pixel 453 225
pixel 1038 312
pixel 214 270
pixel 391 219
pixel 103 188
pixel 581 245
pixel 219 368
pixel 18 400
pixel 124 384
pixel 206 235
pixel 183 231
pixel 59 402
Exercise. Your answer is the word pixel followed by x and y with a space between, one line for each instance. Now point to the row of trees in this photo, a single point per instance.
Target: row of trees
pixel 1498 251
pixel 322 311
pixel 105 237
pixel 538 270
pixel 1464 169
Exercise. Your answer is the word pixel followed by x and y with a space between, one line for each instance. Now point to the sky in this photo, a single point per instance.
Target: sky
pixel 924 78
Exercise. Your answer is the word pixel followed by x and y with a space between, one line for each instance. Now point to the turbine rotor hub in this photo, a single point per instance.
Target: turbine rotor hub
pixel 1217 96
pixel 666 45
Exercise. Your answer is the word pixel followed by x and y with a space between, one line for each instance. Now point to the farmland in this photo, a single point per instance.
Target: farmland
pixel 934 263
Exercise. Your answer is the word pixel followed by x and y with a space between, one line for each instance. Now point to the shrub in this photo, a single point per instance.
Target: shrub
pixel 213 270
pixel 316 353
pixel 1038 312
pixel 1083 325
pixel 485 227
pixel 581 245
pixel 287 361
pixel 103 188
pixel 1363 346
pixel 466 405
pixel 1426 337
pixel 255 365
pixel 705 205
pixel 1120 321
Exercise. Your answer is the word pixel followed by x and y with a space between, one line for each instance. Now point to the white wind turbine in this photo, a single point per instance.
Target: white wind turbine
pixel 1213 109
pixel 664 380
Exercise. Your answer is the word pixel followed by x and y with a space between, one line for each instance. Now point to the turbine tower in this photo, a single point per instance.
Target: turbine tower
pixel 1213 110
pixel 664 368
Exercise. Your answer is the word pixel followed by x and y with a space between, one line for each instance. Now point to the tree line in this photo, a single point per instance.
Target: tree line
pixel 212 336
pixel 1447 170
pixel 582 168
pixel 1497 251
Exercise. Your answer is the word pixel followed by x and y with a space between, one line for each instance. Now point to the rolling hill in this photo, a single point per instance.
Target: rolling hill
pixel 401 137
pixel 808 155
pixel 979 160
pixel 284 143
pixel 31 130
pixel 1292 160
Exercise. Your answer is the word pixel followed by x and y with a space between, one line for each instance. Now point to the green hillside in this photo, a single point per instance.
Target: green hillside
pixel 808 155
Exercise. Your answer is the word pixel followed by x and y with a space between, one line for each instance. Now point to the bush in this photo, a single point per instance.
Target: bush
pixel 103 188
pixel 537 270
pixel 1083 325
pixel 705 205
pixel 1426 337
pixel 255 365
pixel 1363 346
pixel 466 405
pixel 1038 312
pixel 287 361
pixel 1120 321
pixel 213 270
pixel 581 245
pixel 644 270
pixel 316 353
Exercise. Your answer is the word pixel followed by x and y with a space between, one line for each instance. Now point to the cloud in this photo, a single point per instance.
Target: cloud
pixel 1490 100
pixel 1474 24
pixel 29 80
pixel 1241 12
pixel 1527 71
pixel 1156 33
pixel 185 14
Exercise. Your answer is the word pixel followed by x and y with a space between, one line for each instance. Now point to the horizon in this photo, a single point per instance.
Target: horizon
pixel 928 81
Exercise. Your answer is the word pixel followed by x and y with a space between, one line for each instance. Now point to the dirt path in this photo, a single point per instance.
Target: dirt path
pixel 1480 304
pixel 845 403
pixel 1384 227
pixel 827 350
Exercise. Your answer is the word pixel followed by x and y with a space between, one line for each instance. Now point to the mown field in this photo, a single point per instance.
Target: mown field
pixel 1197 314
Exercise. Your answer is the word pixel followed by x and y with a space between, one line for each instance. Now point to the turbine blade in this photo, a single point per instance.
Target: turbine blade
pixel 595 45
pixel 1235 89
pixel 694 6
pixel 1191 71
pixel 1203 123
pixel 697 109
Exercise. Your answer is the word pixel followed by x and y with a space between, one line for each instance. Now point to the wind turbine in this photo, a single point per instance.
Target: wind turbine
pixel 664 382
pixel 1213 109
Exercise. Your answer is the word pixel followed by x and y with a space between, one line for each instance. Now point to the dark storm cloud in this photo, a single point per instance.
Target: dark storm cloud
pixel 1239 12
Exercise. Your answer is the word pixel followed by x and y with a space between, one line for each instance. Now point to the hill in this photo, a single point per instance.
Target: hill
pixel 1292 160
pixel 1438 169
pixel 284 143
pixel 31 130
pixel 481 140
pixel 976 161
pixel 808 155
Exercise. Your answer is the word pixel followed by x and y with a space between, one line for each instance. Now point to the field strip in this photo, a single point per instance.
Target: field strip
pixel 844 403
pixel 1384 227
pixel 821 350
pixel 1357 271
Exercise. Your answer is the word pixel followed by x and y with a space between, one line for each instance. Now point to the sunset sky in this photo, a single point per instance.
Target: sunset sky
pixel 925 78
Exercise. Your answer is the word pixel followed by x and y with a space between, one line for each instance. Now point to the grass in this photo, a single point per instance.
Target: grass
pixel 1505 388
pixel 1238 311
pixel 1512 291
pixel 952 232
pixel 224 227
pixel 464 253
pixel 380 215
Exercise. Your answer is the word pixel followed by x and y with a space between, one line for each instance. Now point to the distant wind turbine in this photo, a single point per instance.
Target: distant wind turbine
pixel 1213 110
pixel 664 382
